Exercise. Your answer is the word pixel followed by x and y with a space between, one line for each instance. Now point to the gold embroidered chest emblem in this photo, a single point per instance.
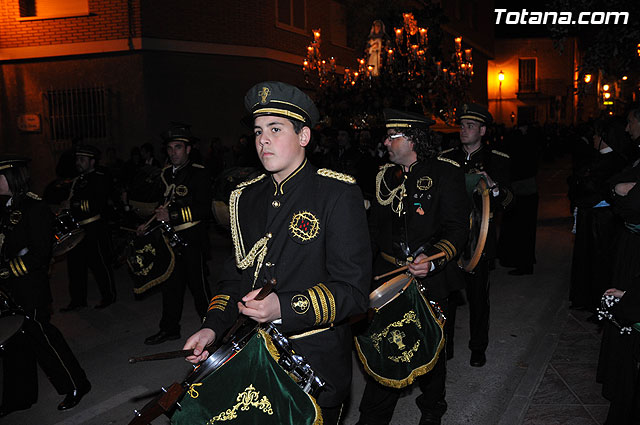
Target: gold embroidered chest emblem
pixel 304 226
pixel 424 183
pixel 181 190
pixel 15 217
pixel 300 304
pixel 246 399
pixel 264 93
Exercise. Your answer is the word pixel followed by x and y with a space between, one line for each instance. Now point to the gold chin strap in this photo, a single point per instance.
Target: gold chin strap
pixel 397 193
pixel 258 252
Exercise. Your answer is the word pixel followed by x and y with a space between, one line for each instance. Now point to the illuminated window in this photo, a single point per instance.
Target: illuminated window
pixel 527 75
pixel 292 13
pixel 53 8
pixel 78 113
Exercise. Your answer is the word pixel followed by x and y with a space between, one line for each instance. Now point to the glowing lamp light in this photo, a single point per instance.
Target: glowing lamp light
pixel 624 78
pixel 501 76
pixel 587 78
pixel 607 95
pixel 605 87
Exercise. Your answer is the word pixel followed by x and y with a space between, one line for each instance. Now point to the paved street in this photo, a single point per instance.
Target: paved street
pixel 541 358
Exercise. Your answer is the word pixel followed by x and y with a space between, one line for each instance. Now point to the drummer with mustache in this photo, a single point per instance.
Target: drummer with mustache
pixel 307 228
pixel 421 210
pixel 26 239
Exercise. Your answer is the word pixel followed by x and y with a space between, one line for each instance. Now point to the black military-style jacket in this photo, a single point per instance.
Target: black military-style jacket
pixel 26 235
pixel 189 191
pixel 423 210
pixel 90 193
pixel 495 163
pixel 309 232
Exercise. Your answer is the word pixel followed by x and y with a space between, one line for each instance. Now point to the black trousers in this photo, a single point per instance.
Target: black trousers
pixel 188 272
pixel 92 253
pixel 477 287
pixel 41 343
pixel 378 402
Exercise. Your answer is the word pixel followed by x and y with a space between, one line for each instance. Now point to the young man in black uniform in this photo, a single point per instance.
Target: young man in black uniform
pixel 421 210
pixel 307 228
pixel 26 237
pixel 187 191
pixel 87 203
pixel 494 166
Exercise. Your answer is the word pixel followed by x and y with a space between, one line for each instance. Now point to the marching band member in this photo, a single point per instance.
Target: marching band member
pixel 26 238
pixel 187 198
pixel 422 209
pixel 305 226
pixel 87 203
pixel 494 166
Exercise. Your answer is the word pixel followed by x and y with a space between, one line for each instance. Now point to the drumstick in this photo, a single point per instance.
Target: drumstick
pixel 403 268
pixel 153 217
pixel 266 290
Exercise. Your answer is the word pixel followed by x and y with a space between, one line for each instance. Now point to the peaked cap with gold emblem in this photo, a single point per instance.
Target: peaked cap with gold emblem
pixel 281 100
pixel 179 132
pixel 394 118
pixel 12 161
pixel 475 112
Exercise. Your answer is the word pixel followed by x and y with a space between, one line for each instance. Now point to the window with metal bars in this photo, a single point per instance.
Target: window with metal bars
pixel 527 75
pixel 78 113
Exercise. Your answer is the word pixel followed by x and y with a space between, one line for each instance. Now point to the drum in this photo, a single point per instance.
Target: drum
pixel 256 377
pixel 478 221
pixel 66 232
pixel 11 317
pixel 405 337
pixel 222 187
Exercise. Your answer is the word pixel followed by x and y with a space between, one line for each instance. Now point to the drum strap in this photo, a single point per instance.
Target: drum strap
pixel 184 226
pixel 89 220
pixel 392 259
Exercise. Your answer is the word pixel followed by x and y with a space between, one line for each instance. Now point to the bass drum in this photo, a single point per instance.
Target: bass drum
pixel 222 187
pixel 478 191
pixel 67 234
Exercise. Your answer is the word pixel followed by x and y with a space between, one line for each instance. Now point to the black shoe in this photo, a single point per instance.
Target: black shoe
pixel 72 307
pixel 103 304
pixel 161 337
pixel 478 359
pixel 74 397
pixel 5 410
pixel 429 419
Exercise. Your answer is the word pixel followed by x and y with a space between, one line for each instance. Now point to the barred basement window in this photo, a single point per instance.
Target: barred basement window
pixel 43 9
pixel 78 113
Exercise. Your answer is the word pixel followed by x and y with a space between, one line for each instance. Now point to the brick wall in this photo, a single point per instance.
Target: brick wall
pixel 108 20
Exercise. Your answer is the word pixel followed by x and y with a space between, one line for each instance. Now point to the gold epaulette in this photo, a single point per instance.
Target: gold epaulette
pixel 500 153
pixel 34 196
pixel 197 165
pixel 336 175
pixel 447 151
pixel 450 161
pixel 252 181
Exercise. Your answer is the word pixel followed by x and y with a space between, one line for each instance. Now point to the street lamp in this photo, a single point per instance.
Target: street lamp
pixel 587 78
pixel 501 76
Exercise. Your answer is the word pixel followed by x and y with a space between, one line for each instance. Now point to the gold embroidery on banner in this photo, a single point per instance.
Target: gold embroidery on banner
pixel 408 318
pixel 264 94
pixel 246 399
pixel 300 304
pixel 192 390
pixel 406 356
pixel 304 226
pixel 140 260
pixel 424 183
